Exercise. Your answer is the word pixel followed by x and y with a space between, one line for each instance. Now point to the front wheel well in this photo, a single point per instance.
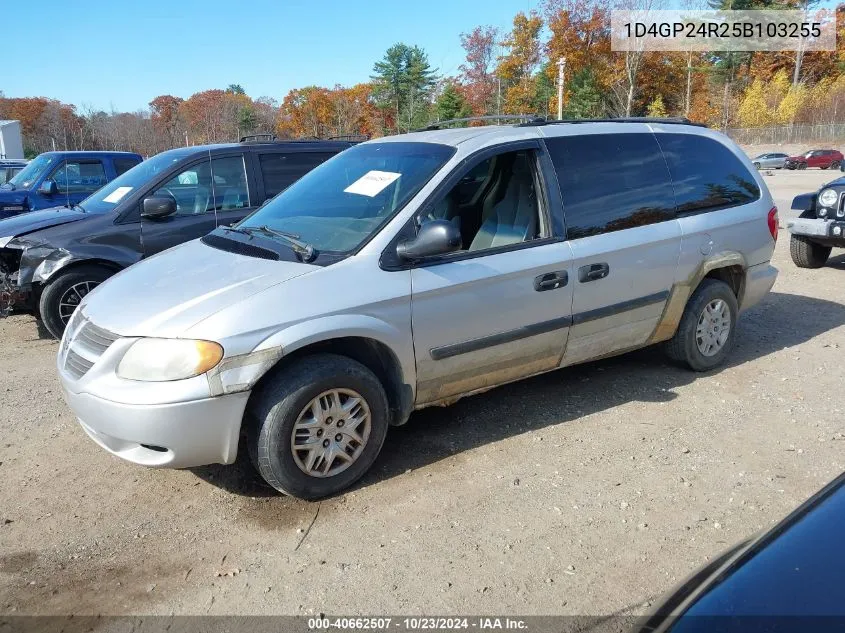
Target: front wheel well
pixel 374 355
pixel 82 263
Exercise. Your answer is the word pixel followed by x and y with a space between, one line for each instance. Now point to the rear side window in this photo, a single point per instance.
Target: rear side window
pixel 122 165
pixel 282 170
pixel 706 174
pixel 611 182
pixel 76 176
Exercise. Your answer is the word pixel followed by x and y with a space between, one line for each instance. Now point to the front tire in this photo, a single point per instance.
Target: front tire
pixel 802 165
pixel 62 295
pixel 757 166
pixel 707 329
pixel 317 425
pixel 808 254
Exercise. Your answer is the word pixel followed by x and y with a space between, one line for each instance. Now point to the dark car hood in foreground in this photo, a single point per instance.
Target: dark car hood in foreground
pixel 790 578
pixel 35 220
pixel 839 182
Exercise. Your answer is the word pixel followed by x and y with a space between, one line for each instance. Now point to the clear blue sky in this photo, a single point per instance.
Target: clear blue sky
pixel 123 53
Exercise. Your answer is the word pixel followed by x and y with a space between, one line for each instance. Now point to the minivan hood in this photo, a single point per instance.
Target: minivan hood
pixel 34 220
pixel 167 294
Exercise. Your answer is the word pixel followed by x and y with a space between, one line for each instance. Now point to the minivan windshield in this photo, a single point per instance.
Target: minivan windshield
pixel 105 199
pixel 338 205
pixel 27 176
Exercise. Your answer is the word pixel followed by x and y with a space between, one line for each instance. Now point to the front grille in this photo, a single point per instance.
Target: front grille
pixel 75 365
pixel 86 343
pixel 233 246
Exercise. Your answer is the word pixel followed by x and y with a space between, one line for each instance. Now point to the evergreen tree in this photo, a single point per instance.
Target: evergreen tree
pixel 451 104
pixel 403 82
pixel 585 98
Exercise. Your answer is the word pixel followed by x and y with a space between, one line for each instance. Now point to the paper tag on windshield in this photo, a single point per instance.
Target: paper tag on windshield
pixel 117 195
pixel 372 183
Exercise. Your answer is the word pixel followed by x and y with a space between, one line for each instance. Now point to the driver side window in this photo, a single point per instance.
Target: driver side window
pixel 191 188
pixel 494 204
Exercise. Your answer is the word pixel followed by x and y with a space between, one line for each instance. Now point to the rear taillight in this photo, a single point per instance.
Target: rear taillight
pixel 773 223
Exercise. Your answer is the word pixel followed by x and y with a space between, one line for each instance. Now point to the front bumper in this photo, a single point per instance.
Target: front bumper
pixel 759 280
pixel 175 435
pixel 818 227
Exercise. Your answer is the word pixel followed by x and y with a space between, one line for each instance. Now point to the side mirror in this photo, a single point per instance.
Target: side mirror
pixel 48 188
pixel 437 237
pixel 804 202
pixel 157 207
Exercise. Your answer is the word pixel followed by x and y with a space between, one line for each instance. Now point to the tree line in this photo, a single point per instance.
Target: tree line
pixel 504 72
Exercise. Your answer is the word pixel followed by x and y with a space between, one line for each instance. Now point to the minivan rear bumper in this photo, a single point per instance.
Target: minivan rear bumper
pixel 176 435
pixel 759 280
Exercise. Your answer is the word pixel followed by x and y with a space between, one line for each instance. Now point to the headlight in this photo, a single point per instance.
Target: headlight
pixel 828 197
pixel 162 359
pixel 6 240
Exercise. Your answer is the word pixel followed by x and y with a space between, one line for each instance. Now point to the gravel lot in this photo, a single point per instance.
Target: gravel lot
pixel 591 490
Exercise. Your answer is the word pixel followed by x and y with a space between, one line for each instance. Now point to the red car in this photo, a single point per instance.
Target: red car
pixel 823 158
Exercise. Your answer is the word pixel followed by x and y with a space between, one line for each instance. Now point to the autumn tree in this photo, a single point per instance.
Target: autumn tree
pixel 520 59
pixel 476 73
pixel 580 32
pixel 656 107
pixel 165 116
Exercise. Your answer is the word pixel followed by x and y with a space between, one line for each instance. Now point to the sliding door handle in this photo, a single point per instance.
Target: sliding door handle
pixel 593 272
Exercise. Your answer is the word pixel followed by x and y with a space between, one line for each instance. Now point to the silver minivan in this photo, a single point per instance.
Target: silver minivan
pixel 411 271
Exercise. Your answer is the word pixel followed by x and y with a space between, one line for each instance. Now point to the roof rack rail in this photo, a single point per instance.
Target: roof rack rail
pixel 259 138
pixel 351 138
pixel 489 117
pixel 630 119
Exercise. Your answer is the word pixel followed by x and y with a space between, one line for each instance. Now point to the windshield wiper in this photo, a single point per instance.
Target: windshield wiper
pixel 304 249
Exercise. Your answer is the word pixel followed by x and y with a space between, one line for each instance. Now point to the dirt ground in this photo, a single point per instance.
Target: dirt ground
pixel 591 490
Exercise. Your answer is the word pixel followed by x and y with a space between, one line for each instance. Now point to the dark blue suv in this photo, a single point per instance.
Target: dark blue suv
pixel 55 179
pixel 52 258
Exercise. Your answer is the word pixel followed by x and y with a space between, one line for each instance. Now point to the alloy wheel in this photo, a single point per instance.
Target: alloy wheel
pixel 72 297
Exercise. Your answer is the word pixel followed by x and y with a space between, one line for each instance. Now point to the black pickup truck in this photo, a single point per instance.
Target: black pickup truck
pixel 50 259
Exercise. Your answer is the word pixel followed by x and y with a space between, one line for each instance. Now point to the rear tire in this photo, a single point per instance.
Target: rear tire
pixel 709 317
pixel 282 416
pixel 835 164
pixel 808 254
pixel 62 294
